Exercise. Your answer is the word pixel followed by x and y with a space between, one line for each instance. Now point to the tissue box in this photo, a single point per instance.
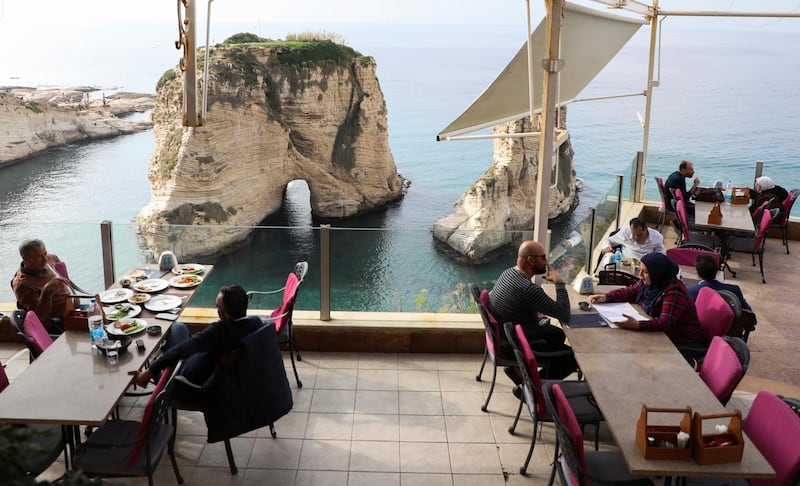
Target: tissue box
pixel 650 438
pixel 741 195
pixel 705 452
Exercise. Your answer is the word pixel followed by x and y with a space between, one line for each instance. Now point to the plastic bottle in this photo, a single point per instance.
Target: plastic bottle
pixel 728 192
pixel 95 319
pixel 618 257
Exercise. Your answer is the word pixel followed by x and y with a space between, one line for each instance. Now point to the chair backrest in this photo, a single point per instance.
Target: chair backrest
pixel 287 304
pixel 721 369
pixel 570 437
pixel 786 208
pixel 36 333
pixel 531 380
pixel 736 306
pixel 155 411
pixel 662 191
pixel 775 430
pixel 713 312
pixel 763 227
pixel 616 277
pixel 685 256
pixel 683 219
pixel 757 212
pixel 490 324
pixel 3 378
pixel 301 269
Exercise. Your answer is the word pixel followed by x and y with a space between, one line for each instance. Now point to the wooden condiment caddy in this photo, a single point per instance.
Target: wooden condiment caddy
pixel 661 434
pixel 740 195
pixel 704 452
pixel 715 215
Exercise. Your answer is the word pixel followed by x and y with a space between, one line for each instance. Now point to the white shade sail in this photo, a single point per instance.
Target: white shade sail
pixel 589 40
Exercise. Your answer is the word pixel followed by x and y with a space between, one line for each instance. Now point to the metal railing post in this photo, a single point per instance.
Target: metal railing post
pixel 325 272
pixel 108 253
pixel 759 171
pixel 620 179
pixel 638 178
pixel 590 245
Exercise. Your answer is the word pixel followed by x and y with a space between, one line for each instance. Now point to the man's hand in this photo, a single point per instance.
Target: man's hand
pixel 597 299
pixel 552 276
pixel 141 378
pixel 608 249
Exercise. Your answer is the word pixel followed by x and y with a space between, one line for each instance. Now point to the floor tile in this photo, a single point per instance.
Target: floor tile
pixel 469 428
pixel 269 477
pixel 333 401
pixel 480 480
pixel 325 455
pixel 418 380
pixel 474 459
pixel 375 427
pixel 338 426
pixel 450 380
pixel 422 428
pixel 214 455
pixel 426 479
pixel 290 426
pixel 336 379
pixel 375 456
pixel 377 380
pixel 361 478
pixel 421 403
pixel 463 403
pixel 376 401
pixel 512 456
pixel 213 476
pixel 424 457
pixel 338 360
pixel 275 454
pixel 320 478
pixel 378 361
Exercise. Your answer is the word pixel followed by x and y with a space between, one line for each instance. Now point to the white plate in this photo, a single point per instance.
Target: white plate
pixel 113 296
pixel 161 303
pixel 133 311
pixel 191 281
pixel 151 285
pixel 112 329
pixel 139 298
pixel 188 269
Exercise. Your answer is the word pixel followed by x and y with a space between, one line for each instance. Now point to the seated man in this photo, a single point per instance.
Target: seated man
pixel 515 298
pixel 202 351
pixel 677 182
pixel 707 269
pixel 637 240
pixel 37 286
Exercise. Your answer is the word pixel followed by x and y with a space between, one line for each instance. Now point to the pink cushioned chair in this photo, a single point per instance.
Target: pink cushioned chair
pixel 782 222
pixel 724 366
pixel 754 245
pixel 499 353
pixel 282 315
pixel 36 333
pixel 714 313
pixel 685 256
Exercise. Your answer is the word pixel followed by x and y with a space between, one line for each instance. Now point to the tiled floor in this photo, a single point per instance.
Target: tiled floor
pixel 366 419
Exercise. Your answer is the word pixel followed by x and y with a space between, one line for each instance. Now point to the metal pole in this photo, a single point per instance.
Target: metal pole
pixel 590 244
pixel 107 245
pixel 759 171
pixel 620 178
pixel 205 66
pixel 325 272
pixel 650 85
pixel 637 179
pixel 190 58
pixel 552 65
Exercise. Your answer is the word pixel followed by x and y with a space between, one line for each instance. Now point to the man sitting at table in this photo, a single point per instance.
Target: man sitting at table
pixel 677 182
pixel 707 269
pixel 202 351
pixel 38 287
pixel 636 239
pixel 515 298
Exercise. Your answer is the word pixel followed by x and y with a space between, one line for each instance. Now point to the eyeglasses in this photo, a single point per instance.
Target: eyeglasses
pixel 538 256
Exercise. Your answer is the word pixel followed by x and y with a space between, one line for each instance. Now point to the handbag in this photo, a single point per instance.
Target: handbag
pixel 709 194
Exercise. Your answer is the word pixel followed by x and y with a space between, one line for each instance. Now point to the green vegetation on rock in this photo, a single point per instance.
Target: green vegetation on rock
pixel 168 76
pixel 306 50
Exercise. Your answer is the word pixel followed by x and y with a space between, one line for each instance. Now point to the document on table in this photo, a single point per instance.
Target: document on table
pixel 613 312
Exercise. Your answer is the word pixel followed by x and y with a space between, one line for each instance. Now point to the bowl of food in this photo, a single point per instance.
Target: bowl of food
pixel 120 343
pixel 139 298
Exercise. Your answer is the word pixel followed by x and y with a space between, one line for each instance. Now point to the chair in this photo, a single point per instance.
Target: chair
pixel 575 466
pixel 125 448
pixel 42 444
pixel 685 255
pixel 666 207
pixel 754 245
pixel 496 350
pixel 247 391
pixel 602 254
pixel 32 332
pixel 616 277
pixel 688 236
pixel 282 316
pixel 774 428
pixel 533 387
pixel 782 222
pixel 714 313
pixel 724 366
pixel 757 212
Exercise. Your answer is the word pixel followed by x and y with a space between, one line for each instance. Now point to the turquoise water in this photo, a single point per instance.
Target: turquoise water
pixel 727 99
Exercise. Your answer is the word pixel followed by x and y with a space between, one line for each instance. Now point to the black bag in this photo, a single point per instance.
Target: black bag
pixel 709 194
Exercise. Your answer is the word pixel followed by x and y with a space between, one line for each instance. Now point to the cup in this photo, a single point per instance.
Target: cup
pixel 112 356
pixel 125 282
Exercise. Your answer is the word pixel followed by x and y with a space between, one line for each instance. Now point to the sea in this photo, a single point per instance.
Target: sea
pixel 727 97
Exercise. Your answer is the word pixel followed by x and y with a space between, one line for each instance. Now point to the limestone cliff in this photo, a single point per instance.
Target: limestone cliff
pixel 271 119
pixel 502 203
pixel 34 120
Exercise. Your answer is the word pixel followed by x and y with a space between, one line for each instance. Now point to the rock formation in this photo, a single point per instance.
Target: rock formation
pixel 502 203
pixel 272 118
pixel 34 120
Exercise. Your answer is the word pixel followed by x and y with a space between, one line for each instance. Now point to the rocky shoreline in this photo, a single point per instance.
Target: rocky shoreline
pixel 35 120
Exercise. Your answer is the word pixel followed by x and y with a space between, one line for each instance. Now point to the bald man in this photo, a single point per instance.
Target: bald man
pixel 515 298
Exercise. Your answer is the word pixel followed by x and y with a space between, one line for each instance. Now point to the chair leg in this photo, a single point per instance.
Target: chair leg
pixel 516 418
pixel 523 470
pixel 555 465
pixel 491 387
pixel 272 431
pixel 173 459
pixel 294 367
pixel 480 371
pixel 231 461
pixel 761 265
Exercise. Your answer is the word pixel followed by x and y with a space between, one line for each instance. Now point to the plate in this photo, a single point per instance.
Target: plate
pixel 188 269
pixel 113 312
pixel 139 326
pixel 139 298
pixel 150 285
pixel 113 296
pixel 185 281
pixel 161 303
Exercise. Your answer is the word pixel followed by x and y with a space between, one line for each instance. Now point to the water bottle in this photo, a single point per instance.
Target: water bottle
pixel 728 192
pixel 95 318
pixel 617 258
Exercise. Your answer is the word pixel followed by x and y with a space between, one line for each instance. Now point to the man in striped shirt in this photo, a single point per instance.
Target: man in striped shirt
pixel 515 298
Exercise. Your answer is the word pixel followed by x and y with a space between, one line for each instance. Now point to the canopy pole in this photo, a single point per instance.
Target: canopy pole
pixel 552 64
pixel 649 93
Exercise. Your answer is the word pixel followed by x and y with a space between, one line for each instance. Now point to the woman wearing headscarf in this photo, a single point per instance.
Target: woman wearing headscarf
pixel 766 190
pixel 664 297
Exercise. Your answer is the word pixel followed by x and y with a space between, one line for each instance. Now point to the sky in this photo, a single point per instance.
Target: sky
pixel 30 14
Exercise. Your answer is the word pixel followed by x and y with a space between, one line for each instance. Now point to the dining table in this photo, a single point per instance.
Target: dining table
pixel 73 384
pixel 736 218
pixel 626 369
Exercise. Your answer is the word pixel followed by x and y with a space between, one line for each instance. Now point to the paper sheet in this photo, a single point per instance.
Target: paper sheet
pixel 613 312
